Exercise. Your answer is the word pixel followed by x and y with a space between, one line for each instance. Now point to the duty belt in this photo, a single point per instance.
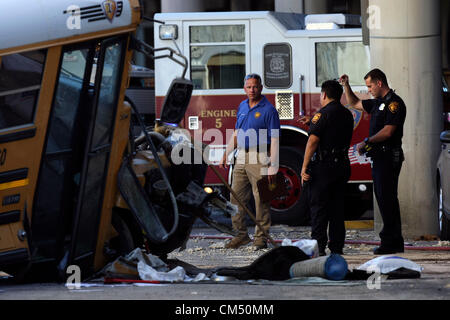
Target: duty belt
pixel 383 148
pixel 395 151
pixel 333 154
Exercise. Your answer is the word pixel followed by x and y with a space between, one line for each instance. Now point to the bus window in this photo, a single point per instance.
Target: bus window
pixel 60 159
pixel 217 56
pixel 67 100
pixel 109 89
pixel 334 59
pixel 20 82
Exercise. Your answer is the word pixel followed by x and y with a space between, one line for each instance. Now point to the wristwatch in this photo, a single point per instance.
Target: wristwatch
pixel 366 140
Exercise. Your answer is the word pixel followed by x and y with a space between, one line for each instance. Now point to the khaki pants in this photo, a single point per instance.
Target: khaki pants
pixel 249 168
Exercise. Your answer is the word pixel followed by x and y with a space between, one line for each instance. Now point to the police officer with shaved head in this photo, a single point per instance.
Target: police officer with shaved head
pixel 326 168
pixel 384 146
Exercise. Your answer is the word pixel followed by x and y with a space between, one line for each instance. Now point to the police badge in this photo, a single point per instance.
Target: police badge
pixel 393 107
pixel 316 118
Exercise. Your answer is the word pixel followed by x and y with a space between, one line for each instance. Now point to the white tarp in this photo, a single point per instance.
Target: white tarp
pixel 386 264
pixel 310 247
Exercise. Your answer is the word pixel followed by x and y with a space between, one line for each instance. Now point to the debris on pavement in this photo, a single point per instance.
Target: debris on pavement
pixel 138 265
pixel 386 264
pixel 392 267
pixel 272 265
pixel 207 252
pixel 443 244
pixel 146 272
pixel 427 237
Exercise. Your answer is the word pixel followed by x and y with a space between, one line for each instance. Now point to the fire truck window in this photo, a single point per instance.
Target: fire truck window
pixel 231 33
pixel 217 56
pixel 20 82
pixel 277 65
pixel 336 58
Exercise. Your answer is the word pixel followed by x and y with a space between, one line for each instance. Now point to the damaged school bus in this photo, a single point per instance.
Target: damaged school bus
pixel 76 188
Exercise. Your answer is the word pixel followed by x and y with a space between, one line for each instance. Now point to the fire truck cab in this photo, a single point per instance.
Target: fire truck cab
pixel 294 54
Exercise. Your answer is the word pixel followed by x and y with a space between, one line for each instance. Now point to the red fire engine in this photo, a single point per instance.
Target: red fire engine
pixel 294 54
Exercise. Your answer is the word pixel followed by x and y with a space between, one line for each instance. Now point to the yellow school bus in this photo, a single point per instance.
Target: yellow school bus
pixel 68 177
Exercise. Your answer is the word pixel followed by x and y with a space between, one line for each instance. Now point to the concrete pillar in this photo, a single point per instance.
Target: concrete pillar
pixel 294 6
pixel 182 5
pixel 445 13
pixel 240 5
pixel 405 43
pixel 302 6
pixel 316 6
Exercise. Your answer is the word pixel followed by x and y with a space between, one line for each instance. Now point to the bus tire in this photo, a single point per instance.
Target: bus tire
pixel 129 235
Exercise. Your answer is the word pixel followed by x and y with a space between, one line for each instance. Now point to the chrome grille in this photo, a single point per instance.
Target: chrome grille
pixel 285 104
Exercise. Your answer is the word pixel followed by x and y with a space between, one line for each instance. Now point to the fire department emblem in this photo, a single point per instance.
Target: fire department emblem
pixel 393 107
pixel 357 116
pixel 109 7
pixel 277 65
pixel 316 118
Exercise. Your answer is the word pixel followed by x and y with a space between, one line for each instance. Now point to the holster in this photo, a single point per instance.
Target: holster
pixel 396 152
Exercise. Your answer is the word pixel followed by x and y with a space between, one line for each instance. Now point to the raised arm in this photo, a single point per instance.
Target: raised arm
pixel 352 99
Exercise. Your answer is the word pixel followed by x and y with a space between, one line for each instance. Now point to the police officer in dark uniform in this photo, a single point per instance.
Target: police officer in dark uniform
pixel 384 146
pixel 326 168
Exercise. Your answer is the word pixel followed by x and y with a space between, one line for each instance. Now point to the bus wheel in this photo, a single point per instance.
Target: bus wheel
pixel 129 236
pixel 291 209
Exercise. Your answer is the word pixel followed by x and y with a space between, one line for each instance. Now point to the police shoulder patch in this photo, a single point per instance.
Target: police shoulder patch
pixel 393 107
pixel 316 118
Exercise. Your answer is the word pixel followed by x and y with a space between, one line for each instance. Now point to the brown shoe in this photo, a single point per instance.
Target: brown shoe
pixel 237 242
pixel 259 243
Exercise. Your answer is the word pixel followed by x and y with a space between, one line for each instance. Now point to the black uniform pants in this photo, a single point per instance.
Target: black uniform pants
pixel 326 200
pixel 385 173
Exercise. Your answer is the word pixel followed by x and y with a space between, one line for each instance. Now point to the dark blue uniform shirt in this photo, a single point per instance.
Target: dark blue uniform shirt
pixel 389 110
pixel 333 124
pixel 257 125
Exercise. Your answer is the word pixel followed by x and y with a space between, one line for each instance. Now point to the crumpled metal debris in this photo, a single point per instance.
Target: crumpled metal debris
pixel 139 265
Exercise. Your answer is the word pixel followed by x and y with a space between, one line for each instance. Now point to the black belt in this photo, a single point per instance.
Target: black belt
pixel 389 148
pixel 384 148
pixel 395 151
pixel 333 154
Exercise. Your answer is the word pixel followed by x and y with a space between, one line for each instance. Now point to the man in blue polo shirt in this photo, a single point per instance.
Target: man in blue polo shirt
pixel 256 136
